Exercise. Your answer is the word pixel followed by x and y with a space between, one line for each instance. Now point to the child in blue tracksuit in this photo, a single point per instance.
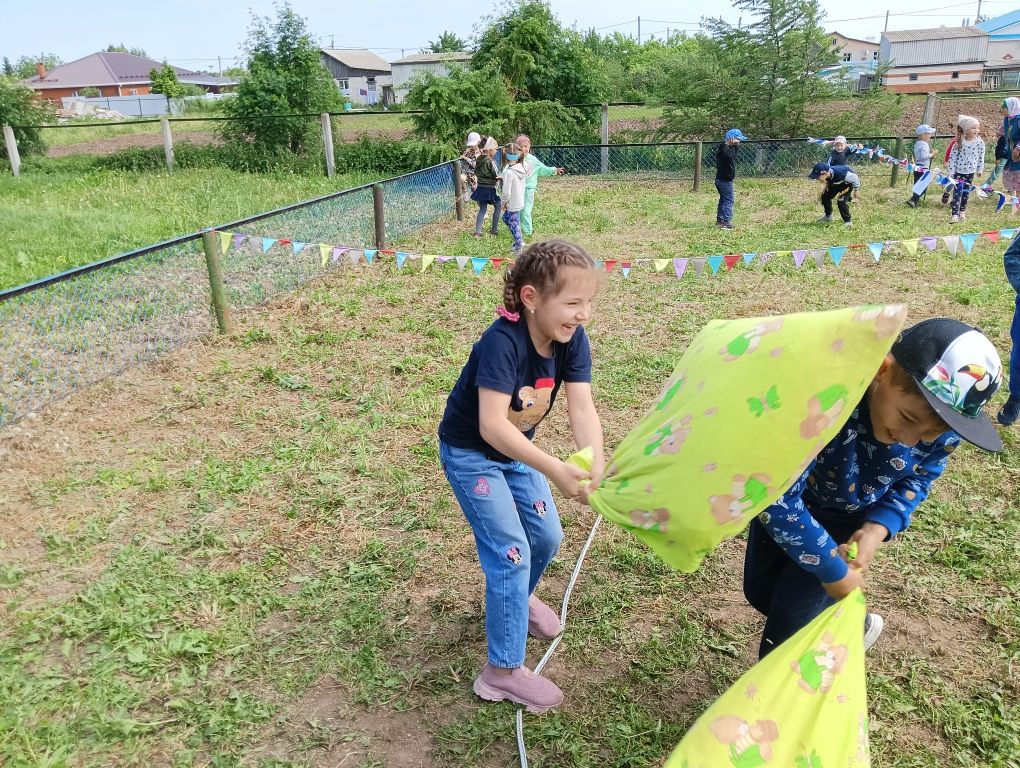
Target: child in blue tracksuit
pixel 841 184
pixel 865 485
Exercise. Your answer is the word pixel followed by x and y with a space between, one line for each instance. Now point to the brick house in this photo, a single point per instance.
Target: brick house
pixel 112 74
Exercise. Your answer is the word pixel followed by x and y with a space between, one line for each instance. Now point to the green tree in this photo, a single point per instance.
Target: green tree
pixel 764 76
pixel 164 80
pixel 539 59
pixel 285 76
pixel 448 42
pixel 478 100
pixel 25 67
pixel 89 91
pixel 8 68
pixel 19 107
pixel 140 52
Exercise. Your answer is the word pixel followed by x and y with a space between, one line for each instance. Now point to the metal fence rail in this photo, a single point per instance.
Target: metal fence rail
pixel 70 330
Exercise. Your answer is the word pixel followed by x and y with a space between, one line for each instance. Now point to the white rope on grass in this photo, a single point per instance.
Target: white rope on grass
pixel 521 750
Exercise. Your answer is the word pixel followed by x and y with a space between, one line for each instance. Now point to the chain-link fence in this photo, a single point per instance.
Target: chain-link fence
pixel 781 158
pixel 68 331
pixel 64 333
pixel 95 137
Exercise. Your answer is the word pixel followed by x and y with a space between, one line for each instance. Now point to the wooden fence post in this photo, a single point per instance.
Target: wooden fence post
pixel 12 150
pixel 327 141
pixel 168 142
pixel 380 217
pixel 929 108
pixel 458 189
pixel 211 246
pixel 896 166
pixel 697 166
pixel 605 139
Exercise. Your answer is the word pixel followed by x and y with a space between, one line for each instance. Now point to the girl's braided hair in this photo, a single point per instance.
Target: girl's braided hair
pixel 540 265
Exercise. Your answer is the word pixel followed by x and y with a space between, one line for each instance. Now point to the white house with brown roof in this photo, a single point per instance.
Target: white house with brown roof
pixel 940 59
pixel 113 73
pixel 360 75
pixel 407 69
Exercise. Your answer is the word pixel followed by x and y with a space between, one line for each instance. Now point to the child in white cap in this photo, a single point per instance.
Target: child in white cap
pixel 468 159
pixel 838 154
pixel 922 158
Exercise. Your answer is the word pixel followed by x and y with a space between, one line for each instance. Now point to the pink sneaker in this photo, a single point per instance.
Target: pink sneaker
pixel 543 622
pixel 521 686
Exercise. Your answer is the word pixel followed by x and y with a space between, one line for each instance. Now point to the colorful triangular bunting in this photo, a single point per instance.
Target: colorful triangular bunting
pixel 749 257
pixel 267 243
pixel 699 265
pixel 876 250
pixel 323 253
pixel 426 261
pixel 910 245
pixel 968 239
pixel 370 254
pixel 715 262
pixel 298 247
pixel 836 254
pixel 462 262
pixel 798 257
pixel 731 260
pixel 679 266
pixel 661 264
pixel 478 264
pixel 401 258
pixel 225 239
pixel 952 243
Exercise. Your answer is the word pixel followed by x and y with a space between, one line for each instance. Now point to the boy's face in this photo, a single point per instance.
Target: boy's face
pixel 839 146
pixel 824 177
pixel 925 137
pixel 898 415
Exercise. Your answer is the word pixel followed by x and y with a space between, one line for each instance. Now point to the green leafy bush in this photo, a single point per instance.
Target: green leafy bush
pixel 20 108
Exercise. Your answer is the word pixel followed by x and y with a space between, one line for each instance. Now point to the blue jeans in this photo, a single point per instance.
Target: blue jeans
pixel 517 531
pixel 724 211
pixel 513 221
pixel 788 596
pixel 480 218
pixel 1011 261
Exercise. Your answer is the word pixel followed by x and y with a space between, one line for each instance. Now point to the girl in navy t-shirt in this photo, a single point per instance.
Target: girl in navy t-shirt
pixel 499 476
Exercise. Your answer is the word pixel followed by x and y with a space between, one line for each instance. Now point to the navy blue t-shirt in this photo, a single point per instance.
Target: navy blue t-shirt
pixel 505 359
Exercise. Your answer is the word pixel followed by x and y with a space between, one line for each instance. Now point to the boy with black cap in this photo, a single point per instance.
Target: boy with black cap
pixel 840 184
pixel 866 483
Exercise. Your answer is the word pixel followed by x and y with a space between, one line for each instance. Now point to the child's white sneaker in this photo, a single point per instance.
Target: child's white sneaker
pixel 873 624
pixel 825 220
pixel 954 219
pixel 963 215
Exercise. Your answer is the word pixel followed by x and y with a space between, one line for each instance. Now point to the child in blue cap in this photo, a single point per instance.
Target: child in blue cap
pixel 725 173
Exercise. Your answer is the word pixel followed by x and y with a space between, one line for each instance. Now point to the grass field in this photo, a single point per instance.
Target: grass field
pixel 246 554
pixel 54 221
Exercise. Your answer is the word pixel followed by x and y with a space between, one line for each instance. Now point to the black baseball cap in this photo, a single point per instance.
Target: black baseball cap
pixel 957 371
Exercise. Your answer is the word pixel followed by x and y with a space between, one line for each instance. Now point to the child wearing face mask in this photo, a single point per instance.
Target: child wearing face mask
pixel 513 179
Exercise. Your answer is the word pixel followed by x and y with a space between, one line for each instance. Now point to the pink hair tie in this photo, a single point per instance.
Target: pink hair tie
pixel 506 314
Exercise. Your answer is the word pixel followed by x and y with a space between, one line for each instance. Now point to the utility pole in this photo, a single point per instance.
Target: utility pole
pixel 667 35
pixel 219 64
pixel 977 19
pixel 886 27
pixel 331 41
pixel 639 30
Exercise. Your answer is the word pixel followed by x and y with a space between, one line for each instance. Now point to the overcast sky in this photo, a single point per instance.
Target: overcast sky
pixel 193 33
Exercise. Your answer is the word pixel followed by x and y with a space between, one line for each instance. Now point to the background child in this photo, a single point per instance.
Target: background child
pixel 486 176
pixel 1011 141
pixel 1011 409
pixel 838 154
pixel 498 475
pixel 725 173
pixel 536 169
pixel 966 160
pixel 841 183
pixel 468 159
pixel 922 158
pixel 513 180
pixel 867 482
